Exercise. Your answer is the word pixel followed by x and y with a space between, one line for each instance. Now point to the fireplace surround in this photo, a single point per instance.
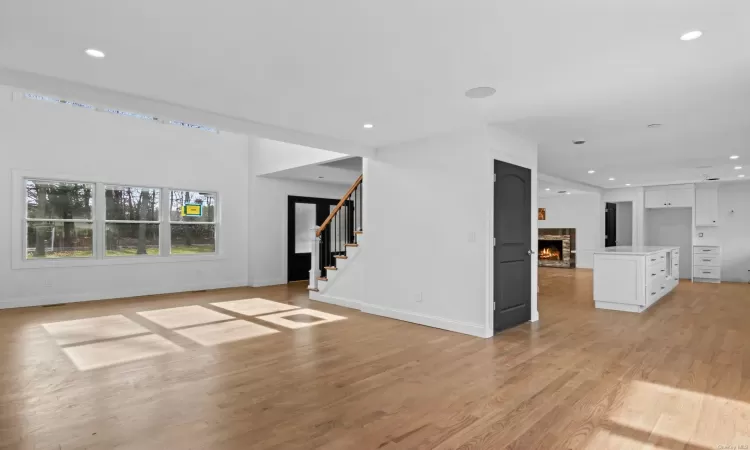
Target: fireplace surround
pixel 556 247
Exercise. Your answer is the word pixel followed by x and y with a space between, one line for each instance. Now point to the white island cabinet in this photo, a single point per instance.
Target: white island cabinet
pixel 634 278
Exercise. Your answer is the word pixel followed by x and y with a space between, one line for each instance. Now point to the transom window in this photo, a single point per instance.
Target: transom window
pixel 71 219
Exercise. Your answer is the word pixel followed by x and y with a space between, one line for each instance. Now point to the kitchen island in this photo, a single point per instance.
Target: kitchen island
pixel 634 278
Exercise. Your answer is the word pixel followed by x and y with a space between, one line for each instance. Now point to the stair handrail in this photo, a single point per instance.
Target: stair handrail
pixel 338 206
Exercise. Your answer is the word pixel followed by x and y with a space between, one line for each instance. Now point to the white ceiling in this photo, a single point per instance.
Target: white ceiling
pixel 591 69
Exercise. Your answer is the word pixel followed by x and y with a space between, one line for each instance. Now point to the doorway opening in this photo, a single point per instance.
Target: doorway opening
pixel 618 224
pixel 304 213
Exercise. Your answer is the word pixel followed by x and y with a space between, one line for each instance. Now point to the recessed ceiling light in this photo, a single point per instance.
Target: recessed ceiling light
pixel 94 53
pixel 734 157
pixel 547 189
pixel 592 171
pixel 741 176
pixel 692 35
pixel 368 125
pixel 654 125
pixel 737 167
pixel 567 193
pixel 481 92
pixel 611 179
pixel 627 184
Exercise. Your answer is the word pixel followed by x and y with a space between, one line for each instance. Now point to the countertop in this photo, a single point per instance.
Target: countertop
pixel 641 251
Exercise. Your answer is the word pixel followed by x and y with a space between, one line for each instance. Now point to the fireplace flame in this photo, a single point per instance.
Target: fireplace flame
pixel 549 253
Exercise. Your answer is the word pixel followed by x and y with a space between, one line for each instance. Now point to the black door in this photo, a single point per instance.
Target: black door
pixel 512 256
pixel 303 214
pixel 610 225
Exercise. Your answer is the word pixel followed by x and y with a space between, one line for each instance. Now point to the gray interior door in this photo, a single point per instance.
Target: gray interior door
pixel 512 273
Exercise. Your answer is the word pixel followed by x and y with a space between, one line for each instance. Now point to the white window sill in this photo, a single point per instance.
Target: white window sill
pixel 111 261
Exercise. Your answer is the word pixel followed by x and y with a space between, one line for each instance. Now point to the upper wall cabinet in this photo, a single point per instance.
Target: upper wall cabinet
pixel 669 198
pixel 706 206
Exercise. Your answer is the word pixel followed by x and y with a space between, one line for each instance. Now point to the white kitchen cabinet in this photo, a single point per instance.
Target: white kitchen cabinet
pixel 634 278
pixel 706 206
pixel 656 199
pixel 707 263
pixel 669 198
pixel 680 198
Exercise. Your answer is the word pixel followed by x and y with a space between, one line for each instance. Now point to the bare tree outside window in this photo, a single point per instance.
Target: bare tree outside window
pixel 193 230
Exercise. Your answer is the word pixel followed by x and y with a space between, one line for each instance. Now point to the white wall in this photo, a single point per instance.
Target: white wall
pixel 672 226
pixel 59 140
pixel 624 224
pixel 733 232
pixel 274 156
pixel 437 274
pixel 582 211
pixel 268 203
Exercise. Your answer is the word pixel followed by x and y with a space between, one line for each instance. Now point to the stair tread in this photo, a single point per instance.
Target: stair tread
pixel 341 257
pixel 313 289
pixel 331 268
pixel 351 245
pixel 323 278
pixel 359 232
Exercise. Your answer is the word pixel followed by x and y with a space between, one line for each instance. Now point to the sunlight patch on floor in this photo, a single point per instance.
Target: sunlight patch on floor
pixel 93 329
pixel 221 333
pixel 183 316
pixel 110 353
pixel 664 413
pixel 295 322
pixel 254 306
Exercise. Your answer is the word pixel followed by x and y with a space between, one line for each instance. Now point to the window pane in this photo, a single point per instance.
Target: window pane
pixel 59 200
pixel 132 203
pixel 59 240
pixel 127 239
pixel 304 221
pixel 189 206
pixel 193 238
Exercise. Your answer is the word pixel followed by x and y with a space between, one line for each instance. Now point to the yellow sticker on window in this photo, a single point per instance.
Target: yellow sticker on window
pixel 191 210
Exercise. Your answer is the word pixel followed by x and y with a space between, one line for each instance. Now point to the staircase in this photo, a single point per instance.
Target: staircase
pixel 336 243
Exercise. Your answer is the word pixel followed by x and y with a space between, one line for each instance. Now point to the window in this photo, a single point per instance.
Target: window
pixel 132 221
pixel 192 222
pixel 78 223
pixel 59 219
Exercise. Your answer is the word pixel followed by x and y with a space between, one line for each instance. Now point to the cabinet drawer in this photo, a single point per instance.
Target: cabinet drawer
pixel 703 260
pixel 656 258
pixel 706 251
pixel 707 272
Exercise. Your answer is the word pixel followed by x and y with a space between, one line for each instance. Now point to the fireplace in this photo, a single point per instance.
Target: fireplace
pixel 551 250
pixel 557 247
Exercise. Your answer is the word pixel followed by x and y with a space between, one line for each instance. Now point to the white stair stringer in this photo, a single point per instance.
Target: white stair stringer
pixel 345 285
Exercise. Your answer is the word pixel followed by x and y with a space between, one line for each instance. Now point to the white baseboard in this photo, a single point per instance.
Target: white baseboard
pixel 346 303
pixel 535 316
pixel 618 307
pixel 24 302
pixel 430 321
pixel 264 283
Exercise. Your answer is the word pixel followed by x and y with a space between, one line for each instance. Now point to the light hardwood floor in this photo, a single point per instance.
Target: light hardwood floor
pixel 677 376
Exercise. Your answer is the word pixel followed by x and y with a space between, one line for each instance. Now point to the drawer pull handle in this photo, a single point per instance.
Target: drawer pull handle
pixel 663 270
pixel 706 250
pixel 706 260
pixel 653 293
pixel 653 274
pixel 706 272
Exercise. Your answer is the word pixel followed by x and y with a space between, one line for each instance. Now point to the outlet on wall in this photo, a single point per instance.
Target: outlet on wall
pixel 418 298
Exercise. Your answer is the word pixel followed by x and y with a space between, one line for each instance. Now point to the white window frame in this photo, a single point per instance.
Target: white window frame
pixel 169 221
pixel 19 230
pixel 104 221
